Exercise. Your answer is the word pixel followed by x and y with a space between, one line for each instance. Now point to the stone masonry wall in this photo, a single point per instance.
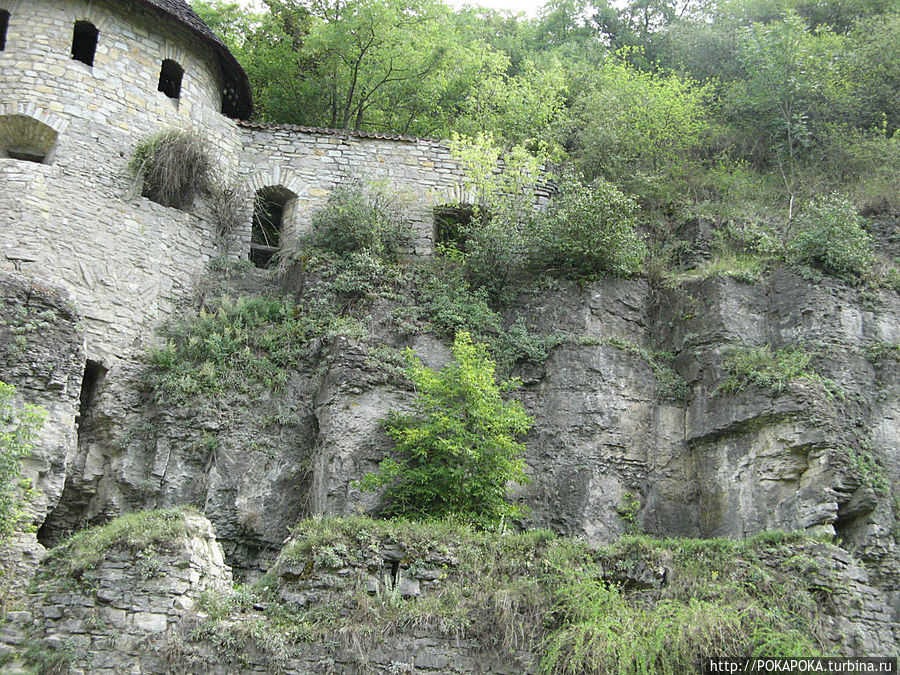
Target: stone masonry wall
pixel 311 164
pixel 76 219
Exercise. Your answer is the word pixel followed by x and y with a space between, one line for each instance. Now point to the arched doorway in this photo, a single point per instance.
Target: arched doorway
pixel 270 207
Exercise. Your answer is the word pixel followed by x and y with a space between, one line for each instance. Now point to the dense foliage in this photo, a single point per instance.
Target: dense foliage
pixel 456 450
pixel 829 235
pixel 586 232
pixel 19 426
pixel 741 111
pixel 361 218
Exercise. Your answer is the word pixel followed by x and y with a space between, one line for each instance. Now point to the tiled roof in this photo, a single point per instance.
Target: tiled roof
pixel 237 85
pixel 321 131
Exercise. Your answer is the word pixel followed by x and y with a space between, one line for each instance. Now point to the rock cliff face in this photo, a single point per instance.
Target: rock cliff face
pixel 636 425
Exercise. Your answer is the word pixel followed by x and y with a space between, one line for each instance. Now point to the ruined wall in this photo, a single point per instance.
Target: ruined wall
pixel 312 162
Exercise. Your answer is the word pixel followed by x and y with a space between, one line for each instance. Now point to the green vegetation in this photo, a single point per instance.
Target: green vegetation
pixel 19 426
pixel 878 351
pixel 141 533
pixel 828 234
pixel 768 368
pixel 456 451
pixel 242 344
pixel 587 232
pixel 870 471
pixel 539 599
pixel 740 111
pixel 361 218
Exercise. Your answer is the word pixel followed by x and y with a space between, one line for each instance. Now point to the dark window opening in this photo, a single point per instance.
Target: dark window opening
pixel 26 156
pixel 451 225
pixel 84 42
pixel 4 25
pixel 170 76
pixel 268 214
pixel 230 102
pixel 395 573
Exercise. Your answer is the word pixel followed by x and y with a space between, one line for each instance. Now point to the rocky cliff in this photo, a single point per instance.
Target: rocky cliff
pixel 709 408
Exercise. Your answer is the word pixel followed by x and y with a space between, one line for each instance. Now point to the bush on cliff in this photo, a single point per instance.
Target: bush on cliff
pixel 587 231
pixel 456 450
pixel 358 218
pixel 828 235
pixel 18 430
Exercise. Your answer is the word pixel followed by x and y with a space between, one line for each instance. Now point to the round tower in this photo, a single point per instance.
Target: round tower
pixel 82 84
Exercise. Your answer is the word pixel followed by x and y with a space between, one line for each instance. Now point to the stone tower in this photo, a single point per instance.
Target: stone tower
pixel 81 84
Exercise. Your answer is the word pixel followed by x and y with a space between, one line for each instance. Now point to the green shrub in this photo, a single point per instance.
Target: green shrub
pixel 450 303
pixel 828 235
pixel 456 450
pixel 767 368
pixel 239 345
pixel 361 218
pixel 175 166
pixel 19 427
pixel 587 231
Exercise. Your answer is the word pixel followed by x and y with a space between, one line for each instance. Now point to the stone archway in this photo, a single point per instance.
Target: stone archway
pixel 272 208
pixel 26 138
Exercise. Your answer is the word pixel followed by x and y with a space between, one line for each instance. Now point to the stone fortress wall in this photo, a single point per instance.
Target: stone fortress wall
pixel 72 216
pixel 311 162
pixel 75 216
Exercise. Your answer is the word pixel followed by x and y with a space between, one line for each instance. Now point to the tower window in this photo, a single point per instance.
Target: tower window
pixel 84 42
pixel 27 139
pixel 170 78
pixel 4 24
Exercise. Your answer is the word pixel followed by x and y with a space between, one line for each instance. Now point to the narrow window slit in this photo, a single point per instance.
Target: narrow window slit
pixel 4 25
pixel 84 42
pixel 170 76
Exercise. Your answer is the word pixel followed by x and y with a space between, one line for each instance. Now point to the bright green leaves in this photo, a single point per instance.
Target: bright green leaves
pixel 456 450
pixel 19 426
pixel 828 235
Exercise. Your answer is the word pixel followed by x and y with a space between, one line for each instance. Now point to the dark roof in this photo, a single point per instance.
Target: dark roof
pixel 238 99
pixel 322 131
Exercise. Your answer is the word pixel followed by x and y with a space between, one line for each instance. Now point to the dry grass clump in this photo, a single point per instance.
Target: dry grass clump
pixel 175 167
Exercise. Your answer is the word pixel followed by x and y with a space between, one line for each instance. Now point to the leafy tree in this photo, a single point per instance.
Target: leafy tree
pixel 456 450
pixel 791 75
pixel 18 430
pixel 634 120
pixel 828 235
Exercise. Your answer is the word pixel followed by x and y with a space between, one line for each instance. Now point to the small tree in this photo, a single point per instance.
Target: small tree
pixel 361 217
pixel 587 231
pixel 456 449
pixel 18 430
pixel 828 235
